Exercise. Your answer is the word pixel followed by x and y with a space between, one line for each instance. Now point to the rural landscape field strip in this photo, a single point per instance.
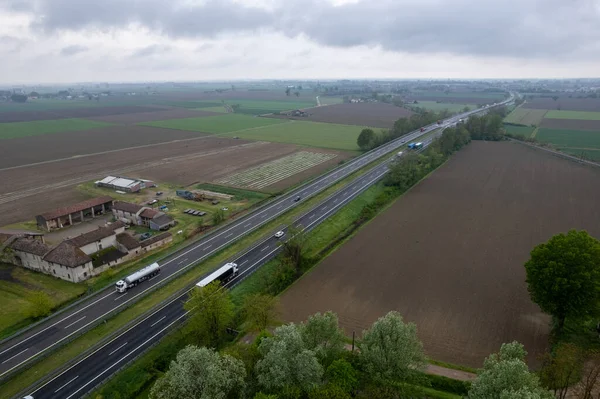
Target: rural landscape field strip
pixel 216 124
pixel 525 116
pixel 569 138
pixel 13 196
pixel 35 128
pixel 564 103
pixel 582 115
pixel 314 134
pixel 271 172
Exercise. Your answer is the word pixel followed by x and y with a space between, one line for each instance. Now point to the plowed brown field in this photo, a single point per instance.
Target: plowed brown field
pixel 449 254
pixel 564 103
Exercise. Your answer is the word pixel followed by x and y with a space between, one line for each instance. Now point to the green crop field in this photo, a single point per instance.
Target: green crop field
pixel 43 105
pixel 220 109
pixel 314 134
pixel 257 107
pixel 435 106
pixel 229 123
pixel 526 116
pixel 570 138
pixel 583 115
pixel 592 155
pixel 36 128
pixel 326 100
pixel 189 104
pixel 524 131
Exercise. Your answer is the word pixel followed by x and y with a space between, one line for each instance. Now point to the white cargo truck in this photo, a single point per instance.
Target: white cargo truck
pixel 224 274
pixel 141 275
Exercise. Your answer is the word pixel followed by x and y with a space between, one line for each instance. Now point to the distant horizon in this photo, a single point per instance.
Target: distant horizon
pixel 279 80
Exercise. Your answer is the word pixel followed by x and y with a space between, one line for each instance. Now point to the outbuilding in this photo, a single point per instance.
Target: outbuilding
pixel 73 214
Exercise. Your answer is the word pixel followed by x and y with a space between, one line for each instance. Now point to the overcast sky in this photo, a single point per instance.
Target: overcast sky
pixel 44 41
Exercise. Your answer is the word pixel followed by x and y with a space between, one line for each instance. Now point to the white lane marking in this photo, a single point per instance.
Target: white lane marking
pixel 121 296
pixel 58 322
pixel 279 207
pixel 228 235
pixel 126 356
pixel 311 216
pixel 66 384
pixel 336 200
pixel 117 349
pixel 244 262
pixel 247 224
pixel 207 248
pixel 264 249
pixel 158 321
pixel 9 359
pixel 75 322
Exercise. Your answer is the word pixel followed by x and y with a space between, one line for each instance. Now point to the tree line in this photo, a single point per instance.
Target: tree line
pixel 484 127
pixel 312 360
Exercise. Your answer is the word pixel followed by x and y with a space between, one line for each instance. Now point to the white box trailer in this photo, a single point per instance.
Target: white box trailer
pixel 134 279
pixel 223 274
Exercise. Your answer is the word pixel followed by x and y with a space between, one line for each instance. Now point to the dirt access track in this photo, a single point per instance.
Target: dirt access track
pixel 362 114
pixel 449 254
pixel 29 190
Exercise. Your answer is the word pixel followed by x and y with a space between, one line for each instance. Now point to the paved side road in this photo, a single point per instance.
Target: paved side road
pixel 19 351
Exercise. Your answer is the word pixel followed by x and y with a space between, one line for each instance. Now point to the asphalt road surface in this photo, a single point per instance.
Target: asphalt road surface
pixel 106 360
pixel 20 350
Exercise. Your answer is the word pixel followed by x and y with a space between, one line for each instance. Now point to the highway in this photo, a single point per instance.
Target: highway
pixel 20 350
pixel 106 360
pixel 90 371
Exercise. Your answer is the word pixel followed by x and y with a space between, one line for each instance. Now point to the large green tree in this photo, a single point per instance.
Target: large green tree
pixel 286 364
pixel 260 311
pixel 201 373
pixel 321 333
pixel 506 376
pixel 211 312
pixel 391 351
pixel 563 276
pixel 365 139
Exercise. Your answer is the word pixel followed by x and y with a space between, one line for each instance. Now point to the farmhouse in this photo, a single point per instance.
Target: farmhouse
pixel 81 257
pixel 125 184
pixel 76 213
pixel 142 216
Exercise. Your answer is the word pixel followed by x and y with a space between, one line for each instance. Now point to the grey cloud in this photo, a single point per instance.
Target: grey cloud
pixel 176 18
pixel 72 50
pixel 151 50
pixel 517 28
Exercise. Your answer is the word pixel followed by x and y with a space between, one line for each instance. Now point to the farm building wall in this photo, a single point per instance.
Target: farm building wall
pixel 168 238
pixel 93 247
pixel 134 218
pixel 35 262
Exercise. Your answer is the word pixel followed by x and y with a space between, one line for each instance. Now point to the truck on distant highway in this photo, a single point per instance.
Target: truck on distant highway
pixel 415 146
pixel 439 122
pixel 134 279
pixel 422 129
pixel 224 274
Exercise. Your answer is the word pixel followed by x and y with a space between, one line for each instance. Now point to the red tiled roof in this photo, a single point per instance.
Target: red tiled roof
pixel 149 213
pixel 30 246
pixel 126 207
pixel 76 207
pixel 67 254
pixel 96 235
pixel 128 241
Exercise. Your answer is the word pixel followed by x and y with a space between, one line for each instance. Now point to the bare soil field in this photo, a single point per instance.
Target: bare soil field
pixel 139 117
pixel 29 190
pixel 27 116
pixel 449 254
pixel 564 103
pixel 362 114
pixel 33 149
pixel 571 124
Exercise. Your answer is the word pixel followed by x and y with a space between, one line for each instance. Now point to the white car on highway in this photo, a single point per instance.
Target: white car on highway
pixel 279 234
